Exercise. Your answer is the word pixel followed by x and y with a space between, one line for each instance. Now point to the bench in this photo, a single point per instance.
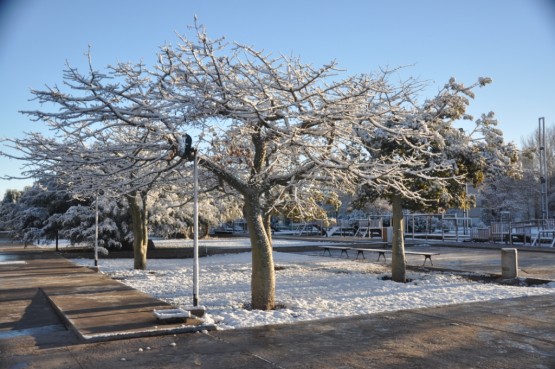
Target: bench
pixel 427 255
pixel 381 252
pixel 342 248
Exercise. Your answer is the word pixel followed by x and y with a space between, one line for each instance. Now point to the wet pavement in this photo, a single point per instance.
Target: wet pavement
pixel 45 300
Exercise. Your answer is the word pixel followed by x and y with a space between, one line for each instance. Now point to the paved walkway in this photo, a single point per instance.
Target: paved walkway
pixel 39 288
pixel 514 333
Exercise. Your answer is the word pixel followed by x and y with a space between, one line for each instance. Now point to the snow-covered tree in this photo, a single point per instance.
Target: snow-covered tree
pixel 32 214
pixel 78 223
pixel 278 129
pixel 443 159
pixel 171 213
pixel 108 140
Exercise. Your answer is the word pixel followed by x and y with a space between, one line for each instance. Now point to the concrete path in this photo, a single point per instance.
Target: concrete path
pixel 517 333
pixel 514 333
pixel 41 289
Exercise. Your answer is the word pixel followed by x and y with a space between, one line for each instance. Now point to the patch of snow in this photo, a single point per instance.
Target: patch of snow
pixel 171 314
pixel 235 242
pixel 12 262
pixel 307 287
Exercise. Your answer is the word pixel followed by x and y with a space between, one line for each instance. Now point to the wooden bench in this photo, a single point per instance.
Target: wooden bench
pixel 427 255
pixel 381 252
pixel 342 248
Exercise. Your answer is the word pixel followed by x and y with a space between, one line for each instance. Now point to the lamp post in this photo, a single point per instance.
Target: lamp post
pixel 543 172
pixel 190 154
pixel 195 230
pixel 99 192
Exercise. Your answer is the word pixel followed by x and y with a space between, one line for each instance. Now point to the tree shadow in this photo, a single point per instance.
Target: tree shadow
pixel 41 321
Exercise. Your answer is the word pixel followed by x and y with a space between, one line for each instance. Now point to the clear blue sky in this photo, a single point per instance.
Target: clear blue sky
pixel 511 41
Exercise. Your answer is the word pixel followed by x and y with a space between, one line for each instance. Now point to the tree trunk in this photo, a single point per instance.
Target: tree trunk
pixel 398 259
pixel 268 227
pixel 139 218
pixel 263 275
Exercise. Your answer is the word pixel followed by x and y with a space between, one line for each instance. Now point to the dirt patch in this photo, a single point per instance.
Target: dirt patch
pixel 519 281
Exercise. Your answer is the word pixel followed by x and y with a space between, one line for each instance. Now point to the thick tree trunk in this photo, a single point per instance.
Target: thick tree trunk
pixel 398 259
pixel 263 275
pixel 139 218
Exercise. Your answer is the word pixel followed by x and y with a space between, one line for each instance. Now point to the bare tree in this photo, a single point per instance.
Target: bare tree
pixel 530 149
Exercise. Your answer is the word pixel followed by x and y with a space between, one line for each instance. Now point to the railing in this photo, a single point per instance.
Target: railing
pixel 429 226
pixel 529 231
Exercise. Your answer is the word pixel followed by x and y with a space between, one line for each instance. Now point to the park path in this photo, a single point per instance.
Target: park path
pixel 41 290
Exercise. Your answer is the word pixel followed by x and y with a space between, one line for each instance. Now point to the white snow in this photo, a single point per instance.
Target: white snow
pixel 234 242
pixel 13 262
pixel 171 314
pixel 307 287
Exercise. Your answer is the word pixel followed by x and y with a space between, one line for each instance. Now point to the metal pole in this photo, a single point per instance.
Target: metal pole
pixel 96 233
pixel 543 171
pixel 413 231
pixel 442 224
pixel 465 212
pixel 195 231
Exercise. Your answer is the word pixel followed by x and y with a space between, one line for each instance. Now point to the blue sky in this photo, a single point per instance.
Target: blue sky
pixel 511 41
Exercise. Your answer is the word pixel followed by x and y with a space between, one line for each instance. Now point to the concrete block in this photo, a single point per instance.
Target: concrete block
pixel 509 263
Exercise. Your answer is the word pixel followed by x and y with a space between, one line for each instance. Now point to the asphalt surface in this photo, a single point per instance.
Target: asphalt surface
pixel 54 314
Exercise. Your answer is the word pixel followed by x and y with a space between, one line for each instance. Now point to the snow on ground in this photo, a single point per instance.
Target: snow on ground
pixel 307 287
pixel 235 242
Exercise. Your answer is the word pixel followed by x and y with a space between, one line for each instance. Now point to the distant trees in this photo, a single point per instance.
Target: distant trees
pixel 530 149
pixel 43 211
pixel 31 214
pixel 518 196
pixel 521 196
